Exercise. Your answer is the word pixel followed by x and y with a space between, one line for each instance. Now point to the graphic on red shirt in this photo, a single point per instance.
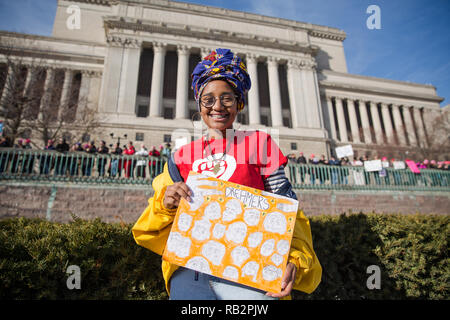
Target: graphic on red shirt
pixel 225 164
pixel 246 157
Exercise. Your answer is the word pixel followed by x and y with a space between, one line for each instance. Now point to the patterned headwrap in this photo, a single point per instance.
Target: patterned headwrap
pixel 225 65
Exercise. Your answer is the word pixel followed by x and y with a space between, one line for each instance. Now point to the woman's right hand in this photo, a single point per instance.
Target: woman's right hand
pixel 174 193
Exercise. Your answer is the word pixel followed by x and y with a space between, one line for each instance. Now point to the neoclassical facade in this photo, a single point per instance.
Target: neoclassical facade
pixel 132 60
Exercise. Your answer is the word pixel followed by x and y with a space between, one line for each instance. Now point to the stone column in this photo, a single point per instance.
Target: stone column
pixel 65 93
pixel 7 86
pixel 365 122
pixel 329 111
pixel 429 116
pixel 387 123
pixel 111 80
pixel 398 125
pixel 353 121
pixel 84 93
pixel 341 120
pixel 181 107
pixel 376 123
pixel 296 98
pixel 253 94
pixel 419 126
pixel 44 107
pixel 156 94
pixel 129 76
pixel 409 126
pixel 30 72
pixel 310 92
pixel 95 80
pixel 275 97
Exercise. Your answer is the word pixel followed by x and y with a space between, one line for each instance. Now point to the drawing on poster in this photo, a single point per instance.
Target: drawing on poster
pixel 233 232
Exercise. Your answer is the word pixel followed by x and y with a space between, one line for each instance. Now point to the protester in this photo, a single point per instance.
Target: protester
pixel 166 151
pixel 88 161
pixel 15 162
pixel 61 159
pixel 46 160
pixel 116 161
pixel 103 150
pixel 220 94
pixel 153 164
pixel 28 162
pixel 74 161
pixel 141 164
pixel 129 163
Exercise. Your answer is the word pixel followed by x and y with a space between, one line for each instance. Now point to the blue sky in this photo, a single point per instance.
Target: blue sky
pixel 413 43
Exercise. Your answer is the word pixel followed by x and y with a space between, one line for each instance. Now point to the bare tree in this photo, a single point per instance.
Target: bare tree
pixel 35 100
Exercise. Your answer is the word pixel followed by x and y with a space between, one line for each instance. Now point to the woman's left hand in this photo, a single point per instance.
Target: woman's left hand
pixel 287 283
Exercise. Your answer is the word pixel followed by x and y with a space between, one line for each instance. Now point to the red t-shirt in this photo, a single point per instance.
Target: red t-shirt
pixel 246 158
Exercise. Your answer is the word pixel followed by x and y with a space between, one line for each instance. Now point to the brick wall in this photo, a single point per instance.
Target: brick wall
pixel 126 203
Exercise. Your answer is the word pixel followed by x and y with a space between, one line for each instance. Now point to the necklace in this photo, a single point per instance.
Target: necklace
pixel 216 162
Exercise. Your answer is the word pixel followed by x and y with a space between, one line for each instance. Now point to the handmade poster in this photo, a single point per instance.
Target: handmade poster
pixel 398 165
pixel 373 165
pixel 412 166
pixel 344 151
pixel 233 232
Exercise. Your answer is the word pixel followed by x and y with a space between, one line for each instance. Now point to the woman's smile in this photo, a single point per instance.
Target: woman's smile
pixel 218 117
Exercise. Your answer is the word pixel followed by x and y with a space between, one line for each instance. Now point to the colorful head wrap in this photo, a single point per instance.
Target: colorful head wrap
pixel 222 64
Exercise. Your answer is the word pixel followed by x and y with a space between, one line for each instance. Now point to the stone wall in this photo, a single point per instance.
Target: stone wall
pixel 115 204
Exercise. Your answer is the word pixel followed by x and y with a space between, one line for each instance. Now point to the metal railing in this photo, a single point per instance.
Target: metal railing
pixel 80 167
pixel 309 176
pixel 43 165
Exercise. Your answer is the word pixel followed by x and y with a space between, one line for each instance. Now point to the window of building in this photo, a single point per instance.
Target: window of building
pixel 264 120
pixel 139 136
pixel 85 138
pixel 293 145
pixel 168 113
pixel 287 122
pixel 142 111
pixel 167 138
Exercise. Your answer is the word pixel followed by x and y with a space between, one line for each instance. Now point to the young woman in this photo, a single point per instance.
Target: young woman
pixel 220 82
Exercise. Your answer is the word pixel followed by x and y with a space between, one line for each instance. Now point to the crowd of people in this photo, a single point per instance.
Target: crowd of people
pixel 381 176
pixel 345 161
pixel 64 159
pixel 71 160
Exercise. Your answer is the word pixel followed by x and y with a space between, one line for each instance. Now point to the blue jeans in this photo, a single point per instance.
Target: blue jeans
pixel 187 284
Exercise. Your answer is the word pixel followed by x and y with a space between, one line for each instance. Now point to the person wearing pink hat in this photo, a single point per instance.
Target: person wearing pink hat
pixel 46 162
pixel 433 164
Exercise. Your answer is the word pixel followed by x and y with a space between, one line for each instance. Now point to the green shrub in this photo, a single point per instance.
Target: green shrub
pixel 411 251
pixel 35 254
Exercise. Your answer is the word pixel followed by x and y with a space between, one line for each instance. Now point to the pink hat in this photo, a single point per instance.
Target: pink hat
pixel 384 159
pixel 433 161
pixel 425 161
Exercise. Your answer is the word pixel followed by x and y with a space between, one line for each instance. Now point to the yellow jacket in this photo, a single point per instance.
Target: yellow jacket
pixel 153 227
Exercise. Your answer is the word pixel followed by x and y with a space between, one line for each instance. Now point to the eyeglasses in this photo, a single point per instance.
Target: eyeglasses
pixel 226 100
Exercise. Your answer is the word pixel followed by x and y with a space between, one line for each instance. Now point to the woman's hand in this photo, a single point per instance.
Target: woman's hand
pixel 174 193
pixel 287 283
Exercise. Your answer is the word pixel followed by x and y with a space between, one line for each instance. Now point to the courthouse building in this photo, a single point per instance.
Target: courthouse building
pixel 132 60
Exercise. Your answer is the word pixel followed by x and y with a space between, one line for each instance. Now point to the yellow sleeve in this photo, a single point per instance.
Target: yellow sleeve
pixel 309 270
pixel 153 226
